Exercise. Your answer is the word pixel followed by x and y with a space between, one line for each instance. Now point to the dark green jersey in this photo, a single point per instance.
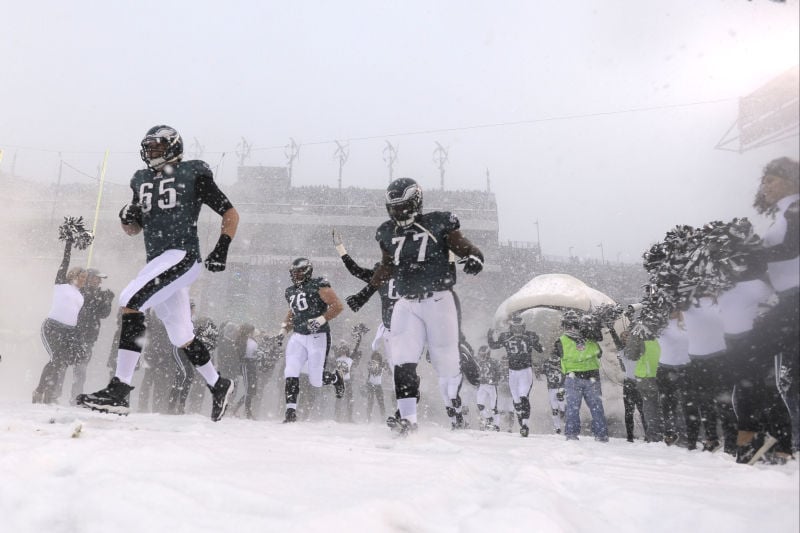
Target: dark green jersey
pixel 171 201
pixel 387 290
pixel 306 303
pixel 490 371
pixel 519 347
pixel 420 253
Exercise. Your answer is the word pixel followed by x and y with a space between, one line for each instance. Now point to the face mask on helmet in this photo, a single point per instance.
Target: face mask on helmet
pixel 517 325
pixel 484 352
pixel 161 145
pixel 301 270
pixel 404 201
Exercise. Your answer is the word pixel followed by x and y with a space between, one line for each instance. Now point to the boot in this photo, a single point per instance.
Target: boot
pixel 112 399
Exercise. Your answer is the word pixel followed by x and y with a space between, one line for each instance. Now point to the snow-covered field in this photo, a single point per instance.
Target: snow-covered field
pixel 65 470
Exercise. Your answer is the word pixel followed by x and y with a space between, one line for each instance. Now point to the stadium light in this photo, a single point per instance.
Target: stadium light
pixel 440 158
pixel 390 157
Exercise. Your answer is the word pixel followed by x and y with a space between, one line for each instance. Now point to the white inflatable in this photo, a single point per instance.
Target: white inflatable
pixel 560 291
pixel 541 301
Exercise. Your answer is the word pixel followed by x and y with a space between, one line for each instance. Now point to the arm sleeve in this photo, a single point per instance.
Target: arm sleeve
pixel 208 192
pixel 61 275
pixel 364 274
pixel 617 341
pixel 495 344
pixel 558 352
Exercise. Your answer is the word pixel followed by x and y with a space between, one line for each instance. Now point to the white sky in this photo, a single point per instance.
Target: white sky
pixel 90 76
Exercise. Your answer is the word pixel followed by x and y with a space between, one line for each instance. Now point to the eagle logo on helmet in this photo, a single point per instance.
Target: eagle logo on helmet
pixel 404 201
pixel 161 145
pixel 301 271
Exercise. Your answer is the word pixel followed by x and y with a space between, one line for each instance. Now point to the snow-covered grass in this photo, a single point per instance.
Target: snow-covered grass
pixel 65 469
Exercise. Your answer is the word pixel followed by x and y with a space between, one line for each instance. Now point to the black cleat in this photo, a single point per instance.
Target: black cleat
pixel 401 427
pixel 338 385
pixel 291 416
pixel 523 430
pixel 221 394
pixel 112 399
pixel 459 422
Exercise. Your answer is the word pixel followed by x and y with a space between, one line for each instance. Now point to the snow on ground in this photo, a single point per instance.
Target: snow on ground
pixel 67 470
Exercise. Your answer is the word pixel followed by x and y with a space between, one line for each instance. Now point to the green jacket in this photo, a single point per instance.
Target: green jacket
pixel 647 364
pixel 577 360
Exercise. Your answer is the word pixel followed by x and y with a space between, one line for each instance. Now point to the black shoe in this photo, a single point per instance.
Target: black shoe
pixel 523 430
pixel 711 445
pixel 671 440
pixel 755 450
pixel 401 427
pixel 112 399
pixel 338 385
pixel 291 416
pixel 459 422
pixel 630 439
pixel 221 394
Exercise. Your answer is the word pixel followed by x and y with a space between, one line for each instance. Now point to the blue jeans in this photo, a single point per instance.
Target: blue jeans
pixel 578 389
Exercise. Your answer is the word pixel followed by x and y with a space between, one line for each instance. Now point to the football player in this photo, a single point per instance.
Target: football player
pixel 386 290
pixel 486 396
pixel 312 305
pixel 416 249
pixel 167 197
pixel 519 344
pixel 555 392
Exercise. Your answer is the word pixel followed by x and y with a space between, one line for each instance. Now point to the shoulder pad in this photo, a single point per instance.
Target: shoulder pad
pixel 198 166
pixel 383 228
pixel 141 173
pixel 322 282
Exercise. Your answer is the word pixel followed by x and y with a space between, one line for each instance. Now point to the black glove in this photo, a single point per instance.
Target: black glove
pixel 215 262
pixel 357 300
pixel 560 395
pixel 472 264
pixel 131 214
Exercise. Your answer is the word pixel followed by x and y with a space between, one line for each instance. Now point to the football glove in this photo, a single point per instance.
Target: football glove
pixel 282 333
pixel 357 300
pixel 337 241
pixel 560 395
pixel 315 323
pixel 131 214
pixel 215 262
pixel 472 264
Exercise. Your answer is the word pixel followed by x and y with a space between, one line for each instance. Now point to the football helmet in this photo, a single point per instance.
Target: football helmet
pixel 301 271
pixel 404 201
pixel 517 325
pixel 484 352
pixel 161 145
